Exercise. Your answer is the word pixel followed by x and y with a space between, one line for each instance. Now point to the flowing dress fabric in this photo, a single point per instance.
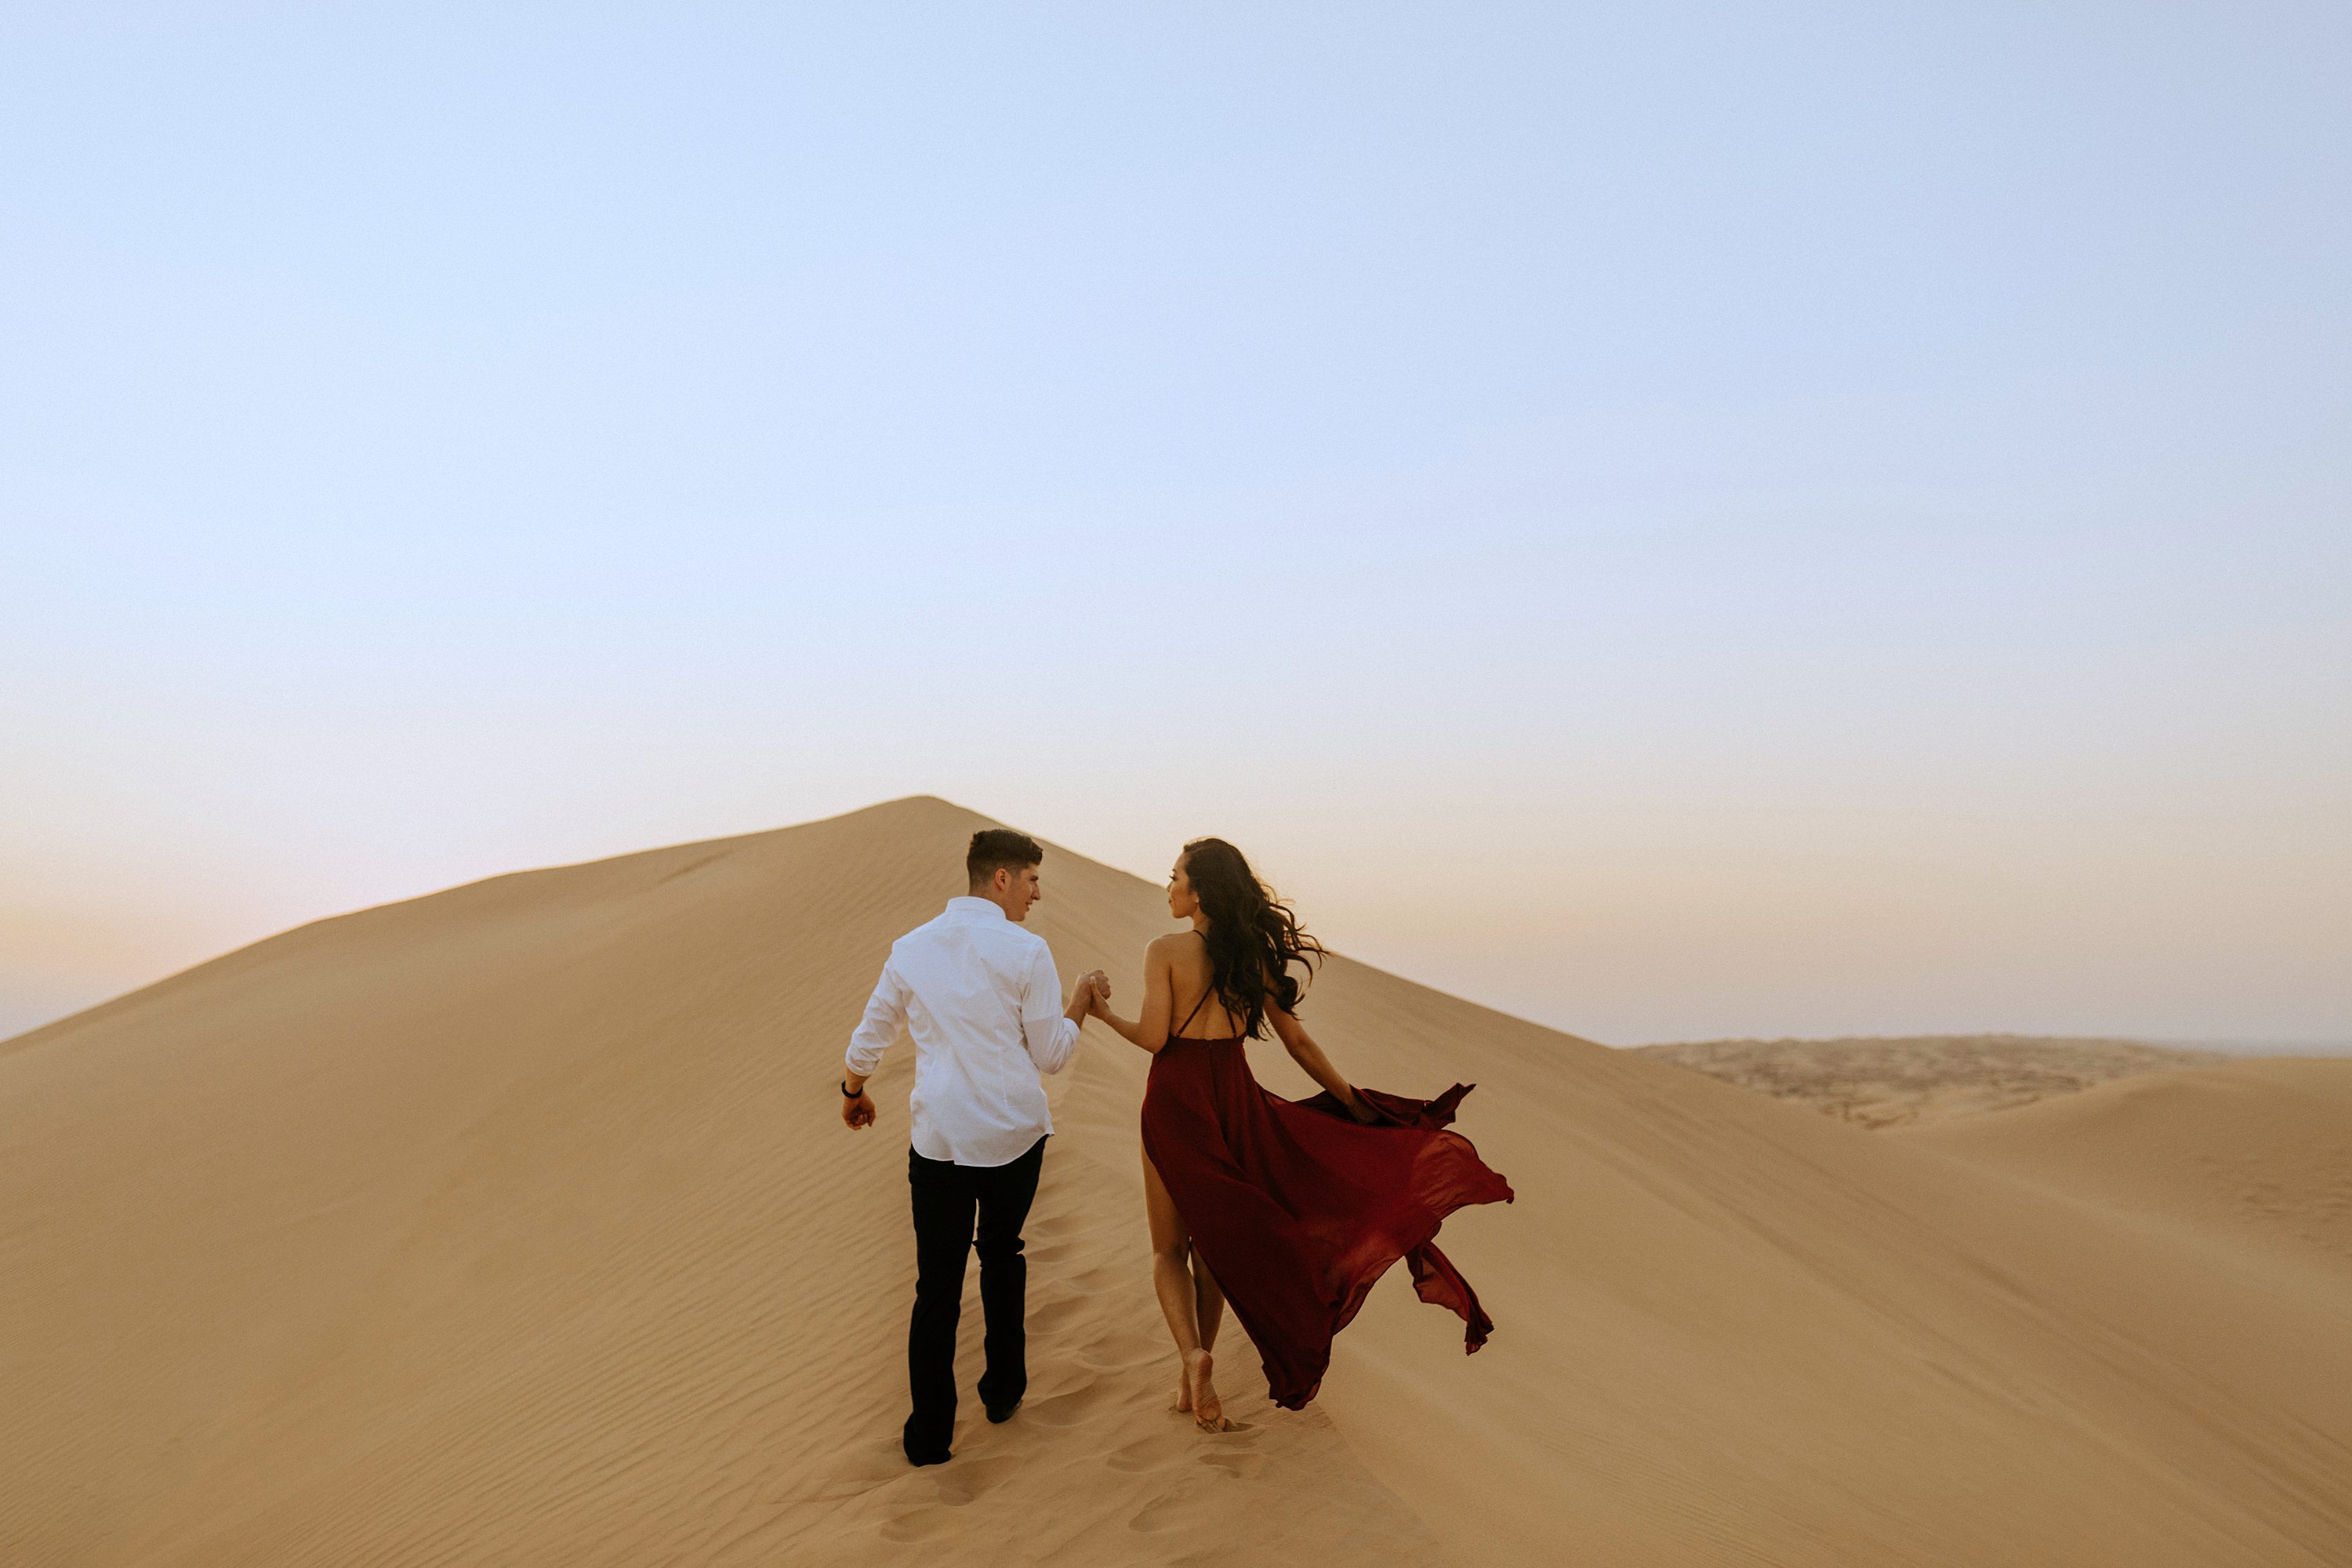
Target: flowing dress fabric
pixel 1297 1208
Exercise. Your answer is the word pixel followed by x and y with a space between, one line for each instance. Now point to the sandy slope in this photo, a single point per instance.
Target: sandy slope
pixel 2249 1158
pixel 514 1225
pixel 1905 1079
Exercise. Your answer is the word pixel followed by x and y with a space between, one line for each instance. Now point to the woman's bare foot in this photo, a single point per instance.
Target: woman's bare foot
pixel 1208 1410
pixel 1183 1386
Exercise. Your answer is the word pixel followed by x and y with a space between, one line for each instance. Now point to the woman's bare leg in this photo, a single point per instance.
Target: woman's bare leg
pixel 1179 1285
pixel 1208 1301
pixel 1208 1312
pixel 1171 1278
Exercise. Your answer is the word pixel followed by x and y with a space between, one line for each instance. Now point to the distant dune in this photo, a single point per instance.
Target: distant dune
pixel 515 1226
pixel 2243 1156
pixel 1888 1081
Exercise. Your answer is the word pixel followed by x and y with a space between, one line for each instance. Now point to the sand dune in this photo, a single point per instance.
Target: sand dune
pixel 2249 1157
pixel 514 1225
pixel 1905 1079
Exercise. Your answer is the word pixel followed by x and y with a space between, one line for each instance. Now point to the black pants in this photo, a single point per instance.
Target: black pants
pixel 946 1196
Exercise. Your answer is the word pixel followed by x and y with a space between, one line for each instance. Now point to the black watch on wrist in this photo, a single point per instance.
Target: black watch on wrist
pixel 847 1093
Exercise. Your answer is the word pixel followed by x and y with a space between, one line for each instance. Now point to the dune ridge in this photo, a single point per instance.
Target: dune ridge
pixel 515 1225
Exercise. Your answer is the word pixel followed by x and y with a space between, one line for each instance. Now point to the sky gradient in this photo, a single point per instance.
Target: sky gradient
pixel 1715 521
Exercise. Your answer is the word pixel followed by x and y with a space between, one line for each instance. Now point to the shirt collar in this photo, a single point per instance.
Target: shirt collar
pixel 973 909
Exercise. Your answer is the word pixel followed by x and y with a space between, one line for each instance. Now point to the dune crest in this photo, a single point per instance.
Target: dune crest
pixel 515 1225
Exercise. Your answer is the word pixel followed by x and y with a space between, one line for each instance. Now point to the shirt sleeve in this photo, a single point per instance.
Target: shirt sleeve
pixel 886 1015
pixel 1050 1038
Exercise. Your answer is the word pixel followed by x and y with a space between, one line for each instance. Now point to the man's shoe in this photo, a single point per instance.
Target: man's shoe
pixel 921 1453
pixel 999 1413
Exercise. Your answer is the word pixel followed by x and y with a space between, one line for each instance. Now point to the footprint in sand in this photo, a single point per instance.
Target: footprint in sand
pixel 1115 1358
pixel 1079 1404
pixel 920 1525
pixel 955 1485
pixel 1143 1454
pixel 863 1467
pixel 961 1482
pixel 1236 1464
pixel 1164 1514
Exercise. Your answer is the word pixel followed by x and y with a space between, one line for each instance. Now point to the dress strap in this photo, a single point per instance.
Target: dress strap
pixel 1177 1033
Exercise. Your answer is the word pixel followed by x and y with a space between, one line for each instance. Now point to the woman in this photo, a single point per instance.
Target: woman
pixel 1287 1209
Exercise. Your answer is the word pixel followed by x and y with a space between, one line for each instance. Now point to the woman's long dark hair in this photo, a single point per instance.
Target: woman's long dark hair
pixel 1253 937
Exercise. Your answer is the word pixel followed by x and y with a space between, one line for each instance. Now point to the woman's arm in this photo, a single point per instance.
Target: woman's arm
pixel 1308 1055
pixel 1151 1031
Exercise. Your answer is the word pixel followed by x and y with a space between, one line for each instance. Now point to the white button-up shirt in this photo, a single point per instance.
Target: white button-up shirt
pixel 982 1000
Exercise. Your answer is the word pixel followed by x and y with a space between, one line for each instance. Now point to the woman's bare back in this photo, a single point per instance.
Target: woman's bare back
pixel 1191 984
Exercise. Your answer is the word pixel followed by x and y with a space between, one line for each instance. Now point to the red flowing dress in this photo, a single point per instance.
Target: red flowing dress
pixel 1297 1208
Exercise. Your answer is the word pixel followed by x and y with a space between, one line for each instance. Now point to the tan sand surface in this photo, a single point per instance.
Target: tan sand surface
pixel 1890 1081
pixel 515 1225
pixel 2247 1157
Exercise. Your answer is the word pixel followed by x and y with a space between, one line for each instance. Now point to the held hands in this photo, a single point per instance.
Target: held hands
pixel 1094 986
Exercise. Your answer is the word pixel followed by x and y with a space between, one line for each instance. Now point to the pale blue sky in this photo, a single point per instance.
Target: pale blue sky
pixel 1675 520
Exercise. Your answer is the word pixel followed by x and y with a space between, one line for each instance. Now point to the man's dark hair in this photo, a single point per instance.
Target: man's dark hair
pixel 995 847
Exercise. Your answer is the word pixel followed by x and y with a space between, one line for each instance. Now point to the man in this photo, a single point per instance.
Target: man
pixel 985 1006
